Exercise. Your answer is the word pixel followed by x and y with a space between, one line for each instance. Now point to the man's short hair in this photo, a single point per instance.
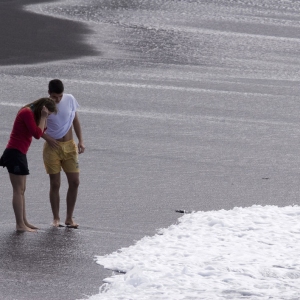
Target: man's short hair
pixel 56 86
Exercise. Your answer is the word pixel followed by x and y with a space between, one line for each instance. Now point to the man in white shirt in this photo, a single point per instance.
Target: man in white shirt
pixel 61 152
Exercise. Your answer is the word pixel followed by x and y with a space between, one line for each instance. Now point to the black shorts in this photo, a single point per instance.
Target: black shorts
pixel 15 162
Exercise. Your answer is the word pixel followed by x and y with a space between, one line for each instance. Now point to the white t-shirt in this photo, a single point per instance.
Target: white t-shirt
pixel 59 124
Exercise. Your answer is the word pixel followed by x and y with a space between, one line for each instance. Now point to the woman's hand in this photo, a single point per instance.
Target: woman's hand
pixel 53 143
pixel 45 112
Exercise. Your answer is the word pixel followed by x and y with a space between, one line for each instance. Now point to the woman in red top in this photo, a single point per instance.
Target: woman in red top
pixel 30 122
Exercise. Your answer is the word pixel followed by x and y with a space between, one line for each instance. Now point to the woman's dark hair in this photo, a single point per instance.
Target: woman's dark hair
pixel 37 105
pixel 55 86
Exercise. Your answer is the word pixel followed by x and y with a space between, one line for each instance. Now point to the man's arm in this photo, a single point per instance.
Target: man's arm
pixel 77 129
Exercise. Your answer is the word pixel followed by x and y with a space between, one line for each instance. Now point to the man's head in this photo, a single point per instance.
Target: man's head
pixel 55 90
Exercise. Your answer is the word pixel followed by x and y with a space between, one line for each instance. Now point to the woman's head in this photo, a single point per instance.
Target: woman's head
pixel 36 107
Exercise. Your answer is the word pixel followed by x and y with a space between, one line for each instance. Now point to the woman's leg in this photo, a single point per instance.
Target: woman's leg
pixel 24 216
pixel 18 183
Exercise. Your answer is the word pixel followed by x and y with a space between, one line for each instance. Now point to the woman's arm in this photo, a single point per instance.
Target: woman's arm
pixel 35 131
pixel 51 141
pixel 43 120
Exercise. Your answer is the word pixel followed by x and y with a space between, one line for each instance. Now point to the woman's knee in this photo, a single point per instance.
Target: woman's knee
pixel 19 190
pixel 18 183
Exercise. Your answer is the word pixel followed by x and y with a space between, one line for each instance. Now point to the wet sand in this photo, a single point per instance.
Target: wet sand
pixel 58 263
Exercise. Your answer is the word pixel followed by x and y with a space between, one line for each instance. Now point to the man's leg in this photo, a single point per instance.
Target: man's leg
pixel 18 183
pixel 73 181
pixel 54 197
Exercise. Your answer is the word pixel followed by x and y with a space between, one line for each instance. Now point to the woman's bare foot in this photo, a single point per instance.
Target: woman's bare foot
pixel 24 229
pixel 31 226
pixel 71 224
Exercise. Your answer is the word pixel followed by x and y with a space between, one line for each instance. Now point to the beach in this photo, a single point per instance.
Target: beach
pixel 184 106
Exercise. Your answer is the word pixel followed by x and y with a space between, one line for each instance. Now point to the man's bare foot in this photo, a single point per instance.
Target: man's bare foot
pixel 24 229
pixel 56 223
pixel 71 224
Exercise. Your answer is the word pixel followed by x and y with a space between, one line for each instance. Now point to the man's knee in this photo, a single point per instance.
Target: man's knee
pixel 54 182
pixel 73 180
pixel 74 183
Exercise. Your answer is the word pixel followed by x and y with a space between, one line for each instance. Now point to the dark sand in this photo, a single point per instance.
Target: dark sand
pixel 31 38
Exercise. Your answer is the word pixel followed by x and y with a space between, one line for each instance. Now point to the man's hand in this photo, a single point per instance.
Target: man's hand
pixel 81 148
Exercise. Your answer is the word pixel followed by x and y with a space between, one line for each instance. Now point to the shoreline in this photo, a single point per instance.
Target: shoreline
pixel 29 38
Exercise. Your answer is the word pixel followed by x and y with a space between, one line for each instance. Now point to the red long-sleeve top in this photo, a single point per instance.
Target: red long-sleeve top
pixel 23 130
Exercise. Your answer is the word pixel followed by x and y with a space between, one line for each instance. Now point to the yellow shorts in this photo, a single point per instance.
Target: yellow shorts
pixel 65 157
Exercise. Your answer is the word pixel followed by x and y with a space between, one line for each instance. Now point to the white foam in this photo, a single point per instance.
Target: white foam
pixel 243 253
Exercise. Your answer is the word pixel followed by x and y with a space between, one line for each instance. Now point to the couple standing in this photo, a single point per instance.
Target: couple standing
pixel 53 119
